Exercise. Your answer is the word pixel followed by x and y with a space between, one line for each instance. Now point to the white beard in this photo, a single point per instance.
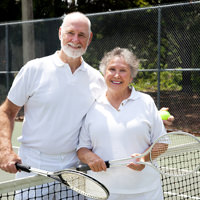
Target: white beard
pixel 73 53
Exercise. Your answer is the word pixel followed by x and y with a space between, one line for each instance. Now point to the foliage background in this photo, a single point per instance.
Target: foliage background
pixel 136 29
pixel 11 9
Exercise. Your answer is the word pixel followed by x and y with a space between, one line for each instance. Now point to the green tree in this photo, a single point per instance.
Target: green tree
pixel 11 9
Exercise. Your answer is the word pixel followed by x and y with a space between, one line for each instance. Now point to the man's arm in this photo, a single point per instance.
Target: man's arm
pixel 8 157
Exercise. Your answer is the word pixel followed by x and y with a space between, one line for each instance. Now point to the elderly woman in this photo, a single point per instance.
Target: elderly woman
pixel 122 123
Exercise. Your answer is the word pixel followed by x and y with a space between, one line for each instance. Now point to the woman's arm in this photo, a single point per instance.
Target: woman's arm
pixel 95 163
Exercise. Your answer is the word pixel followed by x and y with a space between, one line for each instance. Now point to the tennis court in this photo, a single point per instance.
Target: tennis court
pixel 175 188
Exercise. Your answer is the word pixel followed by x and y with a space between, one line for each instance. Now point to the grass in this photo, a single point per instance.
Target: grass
pixel 16 133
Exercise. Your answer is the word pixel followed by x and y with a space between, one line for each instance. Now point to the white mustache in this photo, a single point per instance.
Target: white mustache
pixel 74 45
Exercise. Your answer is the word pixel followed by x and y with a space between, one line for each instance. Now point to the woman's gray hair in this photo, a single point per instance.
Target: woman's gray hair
pixel 128 56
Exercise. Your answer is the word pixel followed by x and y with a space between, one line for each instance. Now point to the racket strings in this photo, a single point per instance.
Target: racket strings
pixel 182 156
pixel 84 185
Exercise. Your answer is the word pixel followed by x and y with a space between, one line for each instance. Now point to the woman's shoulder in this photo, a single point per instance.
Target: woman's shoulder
pixel 144 96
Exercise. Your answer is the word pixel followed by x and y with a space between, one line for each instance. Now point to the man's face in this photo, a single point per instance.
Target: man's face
pixel 75 37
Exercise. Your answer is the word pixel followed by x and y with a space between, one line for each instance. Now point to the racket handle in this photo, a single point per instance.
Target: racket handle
pixel 85 167
pixel 107 164
pixel 82 167
pixel 23 167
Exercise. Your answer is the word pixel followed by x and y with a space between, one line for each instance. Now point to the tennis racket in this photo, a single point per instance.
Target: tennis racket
pixel 172 154
pixel 75 180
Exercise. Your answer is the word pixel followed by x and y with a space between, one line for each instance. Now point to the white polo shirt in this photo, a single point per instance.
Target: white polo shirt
pixel 55 102
pixel 113 134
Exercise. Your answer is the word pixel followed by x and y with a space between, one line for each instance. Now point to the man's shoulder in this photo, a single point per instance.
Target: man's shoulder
pixel 41 59
pixel 89 67
pixel 91 70
pixel 38 63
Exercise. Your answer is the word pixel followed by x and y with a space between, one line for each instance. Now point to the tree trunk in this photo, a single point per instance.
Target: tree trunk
pixel 28 31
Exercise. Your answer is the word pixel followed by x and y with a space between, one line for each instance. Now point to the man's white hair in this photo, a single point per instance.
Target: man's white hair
pixel 77 14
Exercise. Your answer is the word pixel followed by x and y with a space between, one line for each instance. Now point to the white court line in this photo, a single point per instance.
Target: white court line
pixel 181 195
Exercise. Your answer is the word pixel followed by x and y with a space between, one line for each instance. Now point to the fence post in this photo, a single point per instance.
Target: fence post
pixel 7 57
pixel 158 66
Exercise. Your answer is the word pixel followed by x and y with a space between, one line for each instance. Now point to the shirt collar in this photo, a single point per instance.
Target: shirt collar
pixel 134 96
pixel 59 63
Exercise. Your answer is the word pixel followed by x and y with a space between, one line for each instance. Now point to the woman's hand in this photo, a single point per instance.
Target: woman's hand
pixel 170 119
pixel 95 163
pixel 133 165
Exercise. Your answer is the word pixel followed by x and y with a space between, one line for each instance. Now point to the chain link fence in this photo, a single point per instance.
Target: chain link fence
pixel 165 39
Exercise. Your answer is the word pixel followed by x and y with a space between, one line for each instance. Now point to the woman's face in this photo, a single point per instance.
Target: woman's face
pixel 118 75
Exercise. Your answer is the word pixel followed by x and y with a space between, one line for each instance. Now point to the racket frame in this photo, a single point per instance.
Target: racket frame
pixel 125 161
pixel 151 163
pixel 57 176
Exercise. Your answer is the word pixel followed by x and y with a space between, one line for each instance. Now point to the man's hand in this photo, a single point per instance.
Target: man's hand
pixel 8 160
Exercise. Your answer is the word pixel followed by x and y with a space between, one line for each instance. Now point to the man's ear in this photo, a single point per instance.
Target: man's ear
pixel 90 39
pixel 59 33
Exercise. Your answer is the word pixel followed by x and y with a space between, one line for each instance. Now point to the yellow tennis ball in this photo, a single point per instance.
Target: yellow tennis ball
pixel 164 114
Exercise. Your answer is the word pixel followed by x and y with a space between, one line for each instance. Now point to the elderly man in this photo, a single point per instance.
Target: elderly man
pixel 56 92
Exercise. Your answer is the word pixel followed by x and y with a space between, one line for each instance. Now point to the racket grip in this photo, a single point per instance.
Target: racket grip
pixel 23 167
pixel 85 167
pixel 107 164
pixel 82 167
